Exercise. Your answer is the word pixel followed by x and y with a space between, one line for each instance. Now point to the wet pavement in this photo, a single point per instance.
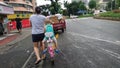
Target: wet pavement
pixel 86 43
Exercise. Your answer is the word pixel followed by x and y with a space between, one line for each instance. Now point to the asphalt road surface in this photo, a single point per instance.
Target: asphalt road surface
pixel 15 55
pixel 86 43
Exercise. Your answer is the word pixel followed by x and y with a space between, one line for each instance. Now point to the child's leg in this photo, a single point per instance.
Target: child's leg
pixel 55 42
pixel 43 47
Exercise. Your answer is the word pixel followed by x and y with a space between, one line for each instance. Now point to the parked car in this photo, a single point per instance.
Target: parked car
pixel 58 25
pixel 96 12
pixel 101 11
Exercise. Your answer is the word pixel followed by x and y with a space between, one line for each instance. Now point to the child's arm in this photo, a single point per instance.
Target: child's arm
pixel 48 20
pixel 44 28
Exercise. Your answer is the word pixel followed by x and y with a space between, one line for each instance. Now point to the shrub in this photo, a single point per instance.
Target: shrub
pixel 110 14
pixel 116 11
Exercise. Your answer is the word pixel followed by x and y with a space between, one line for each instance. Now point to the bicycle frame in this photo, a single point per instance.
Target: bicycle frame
pixel 50 48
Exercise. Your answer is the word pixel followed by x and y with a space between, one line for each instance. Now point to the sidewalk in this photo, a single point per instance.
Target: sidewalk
pixel 13 37
pixel 7 41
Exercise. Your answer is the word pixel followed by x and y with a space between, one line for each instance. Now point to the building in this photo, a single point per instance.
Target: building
pixel 103 3
pixel 4 11
pixel 21 6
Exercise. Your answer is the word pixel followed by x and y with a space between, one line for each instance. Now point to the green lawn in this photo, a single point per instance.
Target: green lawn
pixel 110 14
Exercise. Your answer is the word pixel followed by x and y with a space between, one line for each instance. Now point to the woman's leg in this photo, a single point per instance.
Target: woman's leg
pixel 36 50
pixel 42 48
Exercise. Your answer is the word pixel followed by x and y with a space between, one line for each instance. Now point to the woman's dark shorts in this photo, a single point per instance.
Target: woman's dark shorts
pixel 37 37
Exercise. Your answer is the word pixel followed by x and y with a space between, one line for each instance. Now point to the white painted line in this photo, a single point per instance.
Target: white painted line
pixel 28 60
pixel 92 37
pixel 10 34
pixel 1 38
pixel 118 42
pixel 111 53
pixel 76 46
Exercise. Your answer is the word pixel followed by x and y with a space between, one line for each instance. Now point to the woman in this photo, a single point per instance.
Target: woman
pixel 18 24
pixel 38 21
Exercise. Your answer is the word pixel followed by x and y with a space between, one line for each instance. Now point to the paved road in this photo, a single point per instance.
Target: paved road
pixel 88 43
pixel 15 53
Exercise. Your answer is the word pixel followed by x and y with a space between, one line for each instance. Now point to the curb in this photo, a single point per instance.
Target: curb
pixel 108 18
pixel 7 39
pixel 19 37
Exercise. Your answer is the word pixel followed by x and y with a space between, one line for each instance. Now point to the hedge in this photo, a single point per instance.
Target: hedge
pixel 110 14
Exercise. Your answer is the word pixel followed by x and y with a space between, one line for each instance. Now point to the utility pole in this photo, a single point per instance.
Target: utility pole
pixel 112 4
pixel 115 4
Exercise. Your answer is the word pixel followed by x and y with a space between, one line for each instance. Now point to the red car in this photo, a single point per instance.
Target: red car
pixel 58 24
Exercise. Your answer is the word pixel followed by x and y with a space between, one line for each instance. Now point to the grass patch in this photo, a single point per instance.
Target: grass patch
pixel 110 14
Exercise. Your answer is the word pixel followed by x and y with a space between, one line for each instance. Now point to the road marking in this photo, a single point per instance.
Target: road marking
pixel 57 35
pixel 28 60
pixel 116 55
pixel 92 37
pixel 118 42
pixel 1 38
pixel 76 46
pixel 110 53
pixel 89 61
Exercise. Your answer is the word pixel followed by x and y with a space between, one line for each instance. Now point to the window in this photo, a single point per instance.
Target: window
pixel 6 0
pixel 12 0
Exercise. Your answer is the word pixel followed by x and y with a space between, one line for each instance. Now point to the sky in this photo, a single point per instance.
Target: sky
pixel 42 2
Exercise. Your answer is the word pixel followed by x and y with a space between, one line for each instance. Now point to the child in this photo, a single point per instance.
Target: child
pixel 49 31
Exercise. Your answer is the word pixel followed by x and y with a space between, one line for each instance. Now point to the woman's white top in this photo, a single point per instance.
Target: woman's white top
pixel 37 22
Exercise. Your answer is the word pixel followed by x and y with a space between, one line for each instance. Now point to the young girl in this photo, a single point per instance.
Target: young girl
pixel 49 31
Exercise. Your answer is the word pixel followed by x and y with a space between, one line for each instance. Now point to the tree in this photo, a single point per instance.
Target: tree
pixel 45 9
pixel 55 7
pixel 111 5
pixel 117 3
pixel 108 7
pixel 67 5
pixel 74 7
pixel 82 6
pixel 92 4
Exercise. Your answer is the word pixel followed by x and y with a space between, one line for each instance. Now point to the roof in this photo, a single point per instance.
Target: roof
pixel 4 4
pixel 22 2
pixel 6 9
pixel 22 9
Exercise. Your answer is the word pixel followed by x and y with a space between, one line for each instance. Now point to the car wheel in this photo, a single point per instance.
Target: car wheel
pixel 62 30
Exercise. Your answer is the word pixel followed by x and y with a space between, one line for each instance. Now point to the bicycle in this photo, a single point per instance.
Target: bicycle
pixel 50 49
